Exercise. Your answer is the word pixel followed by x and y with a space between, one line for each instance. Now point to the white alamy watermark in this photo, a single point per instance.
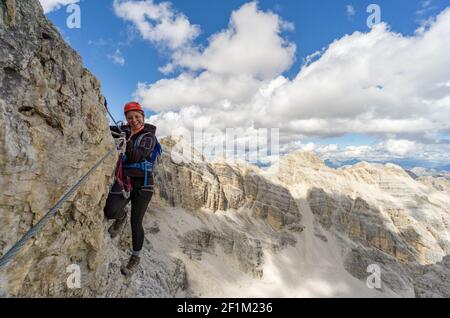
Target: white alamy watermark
pixel 259 146
pixel 374 280
pixel 74 279
pixel 74 19
pixel 375 15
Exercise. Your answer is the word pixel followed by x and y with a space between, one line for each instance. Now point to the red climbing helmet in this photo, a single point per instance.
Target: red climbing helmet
pixel 133 106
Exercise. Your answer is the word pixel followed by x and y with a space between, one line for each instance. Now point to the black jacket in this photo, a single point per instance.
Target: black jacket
pixel 141 152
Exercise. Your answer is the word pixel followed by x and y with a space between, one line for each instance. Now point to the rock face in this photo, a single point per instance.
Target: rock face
pixel 378 214
pixel 438 183
pixel 230 229
pixel 221 186
pixel 433 281
pixel 388 217
pixel 423 172
pixel 53 129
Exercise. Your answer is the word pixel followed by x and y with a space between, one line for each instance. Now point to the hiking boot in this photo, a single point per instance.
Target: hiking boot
pixel 117 227
pixel 132 266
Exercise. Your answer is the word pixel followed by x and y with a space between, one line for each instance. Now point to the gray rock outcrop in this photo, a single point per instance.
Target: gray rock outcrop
pixel 53 129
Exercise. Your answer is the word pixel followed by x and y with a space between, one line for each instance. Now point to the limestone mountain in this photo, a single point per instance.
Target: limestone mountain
pixel 214 228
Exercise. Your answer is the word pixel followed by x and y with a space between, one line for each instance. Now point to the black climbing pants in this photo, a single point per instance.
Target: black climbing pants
pixel 115 209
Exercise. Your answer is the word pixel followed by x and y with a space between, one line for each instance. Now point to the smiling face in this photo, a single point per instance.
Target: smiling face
pixel 135 119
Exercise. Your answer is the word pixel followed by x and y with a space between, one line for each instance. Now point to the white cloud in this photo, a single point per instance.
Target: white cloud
pixel 52 5
pixel 400 147
pixel 167 69
pixel 158 23
pixel 379 83
pixel 308 147
pixel 425 7
pixel 425 24
pixel 312 58
pixel 117 58
pixel 357 151
pixel 375 82
pixel 206 90
pixel 251 45
pixel 237 63
pixel 387 151
pixel 350 11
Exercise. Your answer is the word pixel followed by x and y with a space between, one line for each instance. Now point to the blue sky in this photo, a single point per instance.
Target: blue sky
pixel 116 51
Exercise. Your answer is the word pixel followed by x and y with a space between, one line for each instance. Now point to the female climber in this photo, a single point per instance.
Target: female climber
pixel 134 180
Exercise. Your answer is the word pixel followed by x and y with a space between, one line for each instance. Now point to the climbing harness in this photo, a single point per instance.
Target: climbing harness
pixel 146 166
pixel 125 185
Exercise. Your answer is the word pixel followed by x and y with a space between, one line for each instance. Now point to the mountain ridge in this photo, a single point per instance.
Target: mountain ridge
pixel 213 229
